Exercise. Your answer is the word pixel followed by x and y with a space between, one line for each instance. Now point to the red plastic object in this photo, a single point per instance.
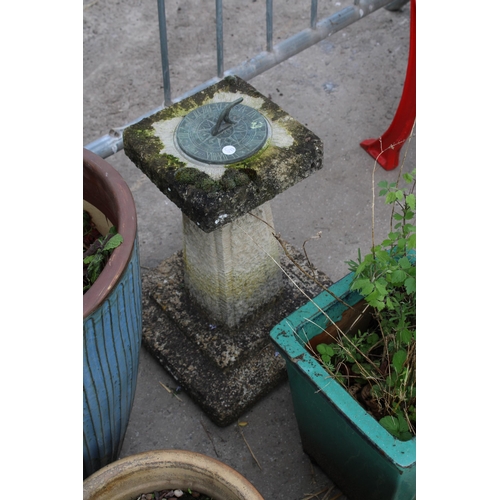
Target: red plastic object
pixel 386 148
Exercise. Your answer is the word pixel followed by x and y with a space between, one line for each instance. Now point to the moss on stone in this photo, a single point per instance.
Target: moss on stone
pixel 143 137
pixel 197 178
pixel 234 178
pixel 173 161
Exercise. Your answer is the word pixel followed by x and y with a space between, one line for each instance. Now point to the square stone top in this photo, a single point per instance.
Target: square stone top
pixel 214 195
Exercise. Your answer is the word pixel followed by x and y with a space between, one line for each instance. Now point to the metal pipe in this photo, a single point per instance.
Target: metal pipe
pixel 269 25
pixel 396 5
pixel 113 142
pixel 162 23
pixel 220 38
pixel 314 13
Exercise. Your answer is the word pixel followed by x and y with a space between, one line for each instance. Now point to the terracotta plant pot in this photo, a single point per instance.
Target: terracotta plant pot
pixel 352 448
pixel 158 470
pixel 112 319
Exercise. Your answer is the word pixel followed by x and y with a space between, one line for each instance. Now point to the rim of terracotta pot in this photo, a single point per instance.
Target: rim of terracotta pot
pixel 156 470
pixel 106 189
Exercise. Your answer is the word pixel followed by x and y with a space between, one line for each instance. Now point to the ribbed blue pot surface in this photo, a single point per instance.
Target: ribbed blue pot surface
pixel 111 344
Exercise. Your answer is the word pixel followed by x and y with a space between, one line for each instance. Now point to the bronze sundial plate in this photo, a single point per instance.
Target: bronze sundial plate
pixel 240 139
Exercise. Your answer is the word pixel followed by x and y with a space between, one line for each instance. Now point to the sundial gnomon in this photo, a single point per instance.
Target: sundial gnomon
pixel 222 132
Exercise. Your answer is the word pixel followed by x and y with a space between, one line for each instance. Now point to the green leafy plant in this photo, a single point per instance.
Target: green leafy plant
pixel 379 364
pixel 96 250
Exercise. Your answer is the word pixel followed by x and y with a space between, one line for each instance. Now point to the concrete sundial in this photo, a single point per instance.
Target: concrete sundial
pixel 221 156
pixel 222 133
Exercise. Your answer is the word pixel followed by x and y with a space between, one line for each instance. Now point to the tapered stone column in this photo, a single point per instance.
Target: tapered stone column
pixel 233 271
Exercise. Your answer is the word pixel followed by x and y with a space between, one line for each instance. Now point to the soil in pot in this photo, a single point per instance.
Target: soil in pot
pixel 174 494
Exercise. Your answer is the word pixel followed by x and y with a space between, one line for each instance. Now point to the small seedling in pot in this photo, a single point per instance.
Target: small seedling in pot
pixel 96 250
pixel 382 359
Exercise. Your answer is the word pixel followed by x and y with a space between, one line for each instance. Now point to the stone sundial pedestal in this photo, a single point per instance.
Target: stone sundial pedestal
pixel 221 156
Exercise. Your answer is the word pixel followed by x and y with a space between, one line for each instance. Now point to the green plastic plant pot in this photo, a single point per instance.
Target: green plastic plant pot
pixel 364 460
pixel 112 319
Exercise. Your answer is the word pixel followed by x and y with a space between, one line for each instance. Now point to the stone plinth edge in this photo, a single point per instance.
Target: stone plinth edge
pixel 212 196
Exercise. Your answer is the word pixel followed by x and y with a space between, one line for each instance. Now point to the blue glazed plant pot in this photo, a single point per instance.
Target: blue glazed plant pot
pixel 350 446
pixel 112 319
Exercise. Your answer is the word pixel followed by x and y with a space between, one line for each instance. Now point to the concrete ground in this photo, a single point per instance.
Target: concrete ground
pixel 345 89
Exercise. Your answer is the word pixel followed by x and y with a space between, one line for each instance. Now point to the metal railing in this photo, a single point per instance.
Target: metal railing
pixel 111 143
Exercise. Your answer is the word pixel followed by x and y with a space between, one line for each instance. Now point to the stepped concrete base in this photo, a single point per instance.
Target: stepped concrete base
pixel 224 370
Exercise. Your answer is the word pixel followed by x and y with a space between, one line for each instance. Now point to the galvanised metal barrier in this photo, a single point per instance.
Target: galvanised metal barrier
pixel 111 143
